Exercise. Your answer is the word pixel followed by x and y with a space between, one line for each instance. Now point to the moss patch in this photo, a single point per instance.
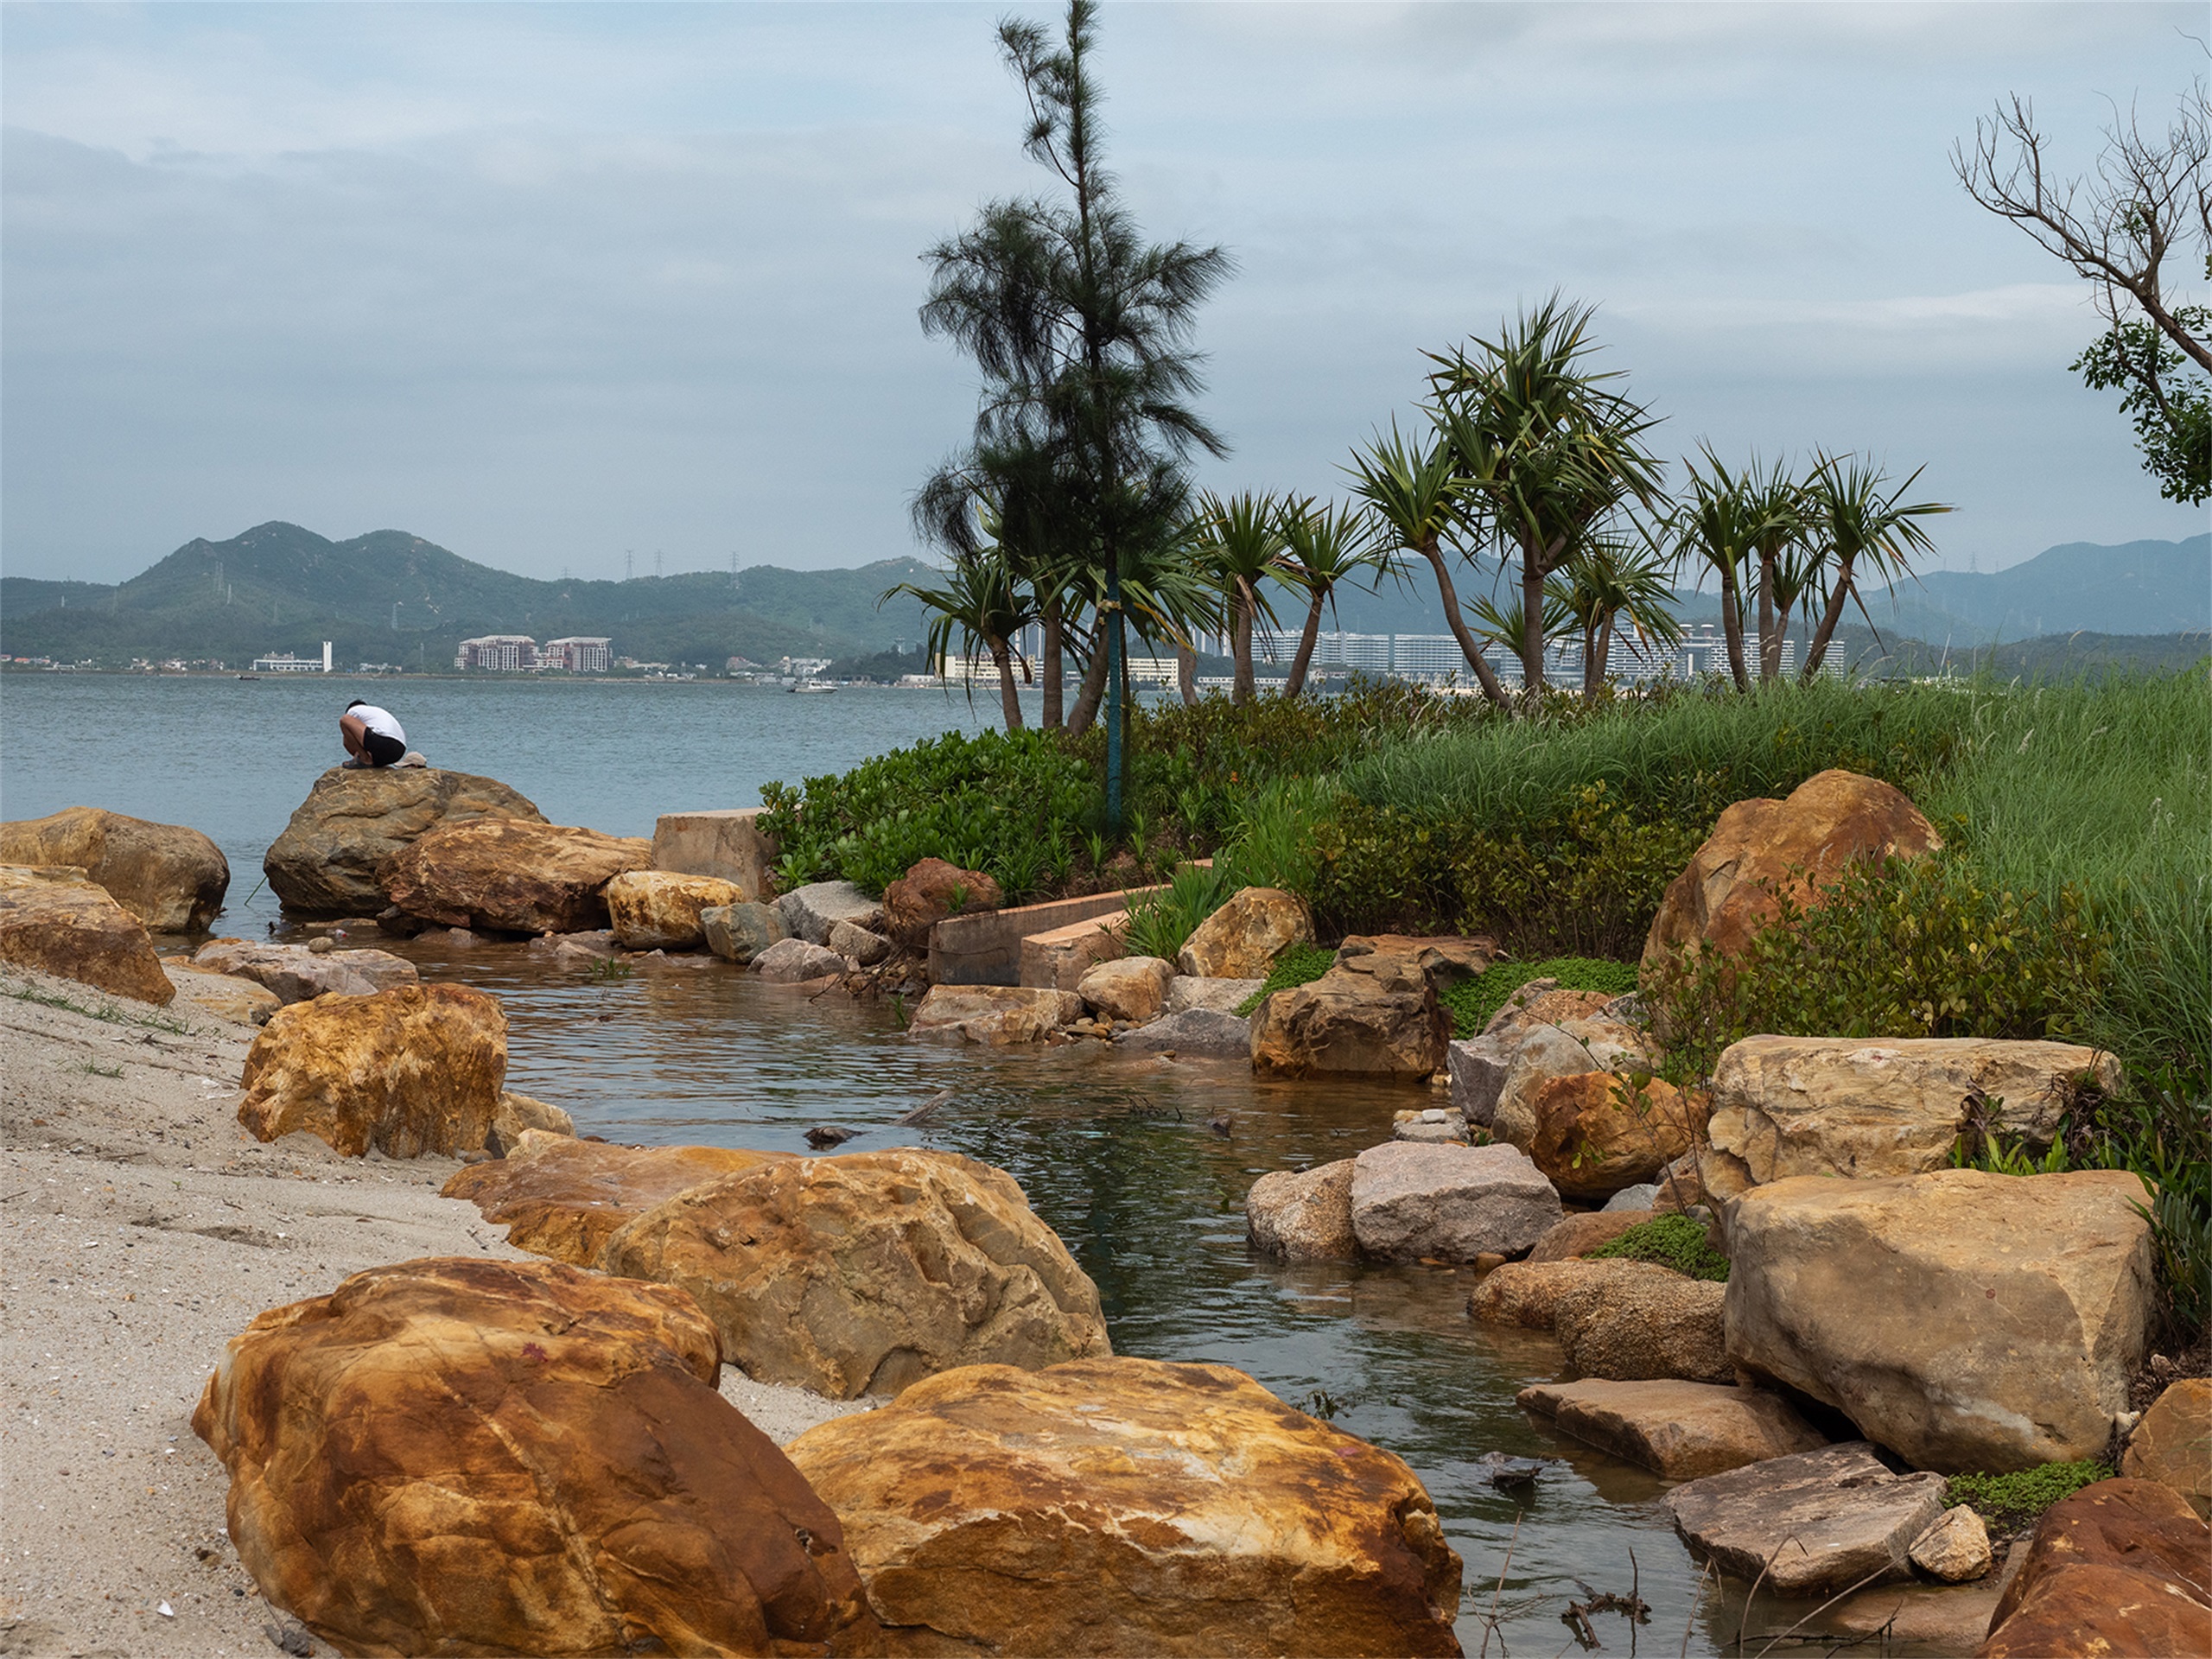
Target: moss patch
pixel 1474 1003
pixel 1674 1242
pixel 2009 1503
pixel 1297 964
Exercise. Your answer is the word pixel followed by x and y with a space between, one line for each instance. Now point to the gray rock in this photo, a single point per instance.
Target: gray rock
pixel 1451 1203
pixel 740 933
pixel 296 973
pixel 791 961
pixel 810 912
pixel 1303 1215
pixel 866 948
pixel 1635 1198
pixel 1435 1127
pixel 1478 1065
pixel 1816 1523
pixel 1643 1332
pixel 1207 1034
pixel 1510 1014
pixel 1187 991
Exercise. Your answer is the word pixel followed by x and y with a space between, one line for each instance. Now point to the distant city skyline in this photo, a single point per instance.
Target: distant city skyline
pixel 555 287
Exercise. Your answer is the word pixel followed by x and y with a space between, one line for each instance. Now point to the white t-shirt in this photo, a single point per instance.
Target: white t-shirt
pixel 378 721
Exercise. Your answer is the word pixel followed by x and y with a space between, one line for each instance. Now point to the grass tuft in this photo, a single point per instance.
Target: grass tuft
pixel 1674 1242
pixel 2009 1503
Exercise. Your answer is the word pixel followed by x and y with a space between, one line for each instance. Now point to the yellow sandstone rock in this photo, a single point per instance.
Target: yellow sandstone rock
pixel 59 921
pixel 171 878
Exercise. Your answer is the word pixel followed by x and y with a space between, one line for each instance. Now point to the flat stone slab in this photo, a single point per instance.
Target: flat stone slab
pixel 1450 1203
pixel 1223 995
pixel 1681 1431
pixel 1203 1034
pixel 1814 1523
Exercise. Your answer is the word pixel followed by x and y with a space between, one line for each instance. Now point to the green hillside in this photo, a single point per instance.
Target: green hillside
pixel 389 597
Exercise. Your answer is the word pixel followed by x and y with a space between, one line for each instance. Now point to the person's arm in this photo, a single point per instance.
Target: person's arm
pixel 352 730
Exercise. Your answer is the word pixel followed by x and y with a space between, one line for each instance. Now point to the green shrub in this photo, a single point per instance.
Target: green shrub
pixel 1474 1001
pixel 2009 1503
pixel 1294 965
pixel 1159 923
pixel 1674 1242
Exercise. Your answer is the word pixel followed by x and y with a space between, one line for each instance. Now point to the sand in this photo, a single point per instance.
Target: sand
pixel 140 1229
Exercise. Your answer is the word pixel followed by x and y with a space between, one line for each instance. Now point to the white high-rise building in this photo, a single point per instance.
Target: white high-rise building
pixel 506 652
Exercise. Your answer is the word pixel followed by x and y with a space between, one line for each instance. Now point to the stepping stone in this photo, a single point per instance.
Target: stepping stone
pixel 1814 1523
pixel 1681 1431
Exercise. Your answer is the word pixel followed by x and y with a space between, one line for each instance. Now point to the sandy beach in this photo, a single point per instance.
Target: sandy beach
pixel 141 1228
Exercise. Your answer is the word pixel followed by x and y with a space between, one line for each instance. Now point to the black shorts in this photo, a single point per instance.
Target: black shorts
pixel 381 750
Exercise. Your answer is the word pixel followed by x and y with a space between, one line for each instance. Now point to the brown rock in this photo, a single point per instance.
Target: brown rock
pixel 794 962
pixel 1543 1051
pixel 1129 1507
pixel 1680 1431
pixel 565 1198
pixel 1954 1549
pixel 1303 1215
pixel 299 973
pixel 410 1070
pixel 1645 1328
pixel 325 863
pixel 228 996
pixel 1446 958
pixel 1814 1523
pixel 1598 1133
pixel 1763 848
pixel 1578 1236
pixel 1373 1016
pixel 725 842
pixel 658 909
pixel 1527 1292
pixel 1134 988
pixel 859 1274
pixel 1967 1321
pixel 2173 1443
pixel 62 922
pixel 519 1114
pixel 929 892
pixel 1242 938
pixel 1785 1106
pixel 170 878
pixel 461 1456
pixel 996 1016
pixel 512 874
pixel 2118 1568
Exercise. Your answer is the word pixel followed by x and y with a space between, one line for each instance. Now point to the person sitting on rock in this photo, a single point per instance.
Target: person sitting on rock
pixel 372 737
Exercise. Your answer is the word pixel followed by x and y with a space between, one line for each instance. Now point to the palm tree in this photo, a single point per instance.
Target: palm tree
pixel 1414 495
pixel 1546 453
pixel 1788 559
pixel 1609 580
pixel 1860 523
pixel 1324 549
pixel 1718 526
pixel 1239 537
pixel 983 603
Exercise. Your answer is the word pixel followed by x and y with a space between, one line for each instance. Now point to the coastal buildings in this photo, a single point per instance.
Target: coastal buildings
pixel 517 652
pixel 498 652
pixel 285 662
pixel 579 653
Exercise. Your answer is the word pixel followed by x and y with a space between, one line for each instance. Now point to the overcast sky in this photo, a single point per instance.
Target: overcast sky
pixel 547 284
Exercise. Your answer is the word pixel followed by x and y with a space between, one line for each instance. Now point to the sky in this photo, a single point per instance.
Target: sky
pixel 548 284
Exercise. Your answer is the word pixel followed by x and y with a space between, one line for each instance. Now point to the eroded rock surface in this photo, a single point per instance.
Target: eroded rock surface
pixel 1578 1234
pixel 660 910
pixel 738 933
pixel 1954 1549
pixel 1543 1051
pixel 228 996
pixel 1187 991
pixel 860 1275
pixel 1680 1431
pixel 930 890
pixel 2173 1443
pixel 2118 1568
pixel 1644 1328
pixel 62 922
pixel 1447 1203
pixel 1597 1133
pixel 1303 1215
pixel 1242 938
pixel 171 878
pixel 1372 1015
pixel 1814 1523
pixel 1967 1321
pixel 996 1015
pixel 810 912
pixel 1134 988
pixel 1527 1292
pixel 1131 1508
pixel 417 1068
pixel 460 1456
pixel 794 962
pixel 511 875
pixel 1199 1033
pixel 325 861
pixel 296 973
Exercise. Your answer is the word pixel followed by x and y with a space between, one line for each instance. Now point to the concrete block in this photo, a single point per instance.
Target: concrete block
pixel 725 843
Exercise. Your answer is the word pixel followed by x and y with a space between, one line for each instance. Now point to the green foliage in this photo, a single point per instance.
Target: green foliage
pixel 1007 803
pixel 1674 1242
pixel 1476 1000
pixel 2012 1502
pixel 1297 964
pixel 2172 411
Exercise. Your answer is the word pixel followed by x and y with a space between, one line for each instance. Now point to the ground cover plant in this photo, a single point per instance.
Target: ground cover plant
pixel 1674 1242
pixel 2015 1502
pixel 1474 1001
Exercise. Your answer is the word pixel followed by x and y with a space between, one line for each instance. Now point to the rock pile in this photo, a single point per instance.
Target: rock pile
pixel 170 878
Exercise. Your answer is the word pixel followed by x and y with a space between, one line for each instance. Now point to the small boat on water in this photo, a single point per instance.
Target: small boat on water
pixel 249 677
pixel 798 686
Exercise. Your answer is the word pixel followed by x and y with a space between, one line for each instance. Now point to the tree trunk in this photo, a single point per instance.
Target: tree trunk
pixel 1770 636
pixel 1830 616
pixel 1050 670
pixel 1240 643
pixel 1485 676
pixel 1009 694
pixel 1092 690
pixel 1307 640
pixel 1597 645
pixel 1532 623
pixel 1186 673
pixel 1732 626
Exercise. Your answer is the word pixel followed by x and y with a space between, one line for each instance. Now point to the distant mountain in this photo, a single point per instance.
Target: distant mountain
pixel 389 597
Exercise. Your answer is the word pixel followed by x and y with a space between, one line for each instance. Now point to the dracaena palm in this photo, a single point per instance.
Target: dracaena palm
pixel 1716 527
pixel 1240 538
pixel 1864 526
pixel 983 607
pixel 1607 581
pixel 1789 557
pixel 1324 548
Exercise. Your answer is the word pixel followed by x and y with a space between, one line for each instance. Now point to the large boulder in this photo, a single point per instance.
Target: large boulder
pixel 170 878
pixel 2173 1443
pixel 1597 1133
pixel 725 842
pixel 1967 1321
pixel 794 962
pixel 228 996
pixel 1371 1016
pixel 1678 1431
pixel 810 912
pixel 1579 1234
pixel 1644 1328
pixel 1198 1033
pixel 1241 940
pixel 325 863
pixel 1134 988
pixel 464 1456
pixel 1447 958
pixel 1303 1215
pixel 738 933
pixel 994 1015
pixel 1448 1204
pixel 1528 1294
pixel 1189 991
pixel 2117 1568
pixel 1785 1106
pixel 929 892
pixel 1763 850
pixel 296 973
pixel 564 1197
pixel 1542 1050
pixel 660 910
pixel 419 1069
pixel 859 1274
pixel 511 875
pixel 1811 1524
pixel 59 921
pixel 1130 1508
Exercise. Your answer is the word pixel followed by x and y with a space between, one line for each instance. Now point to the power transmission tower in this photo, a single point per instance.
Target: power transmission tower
pixel 656 564
pixel 625 564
